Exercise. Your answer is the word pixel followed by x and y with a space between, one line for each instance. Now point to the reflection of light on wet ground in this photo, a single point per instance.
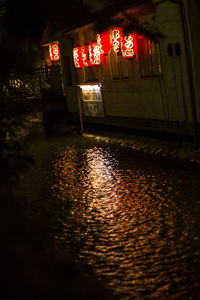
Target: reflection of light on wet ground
pixel 126 224
pixel 98 177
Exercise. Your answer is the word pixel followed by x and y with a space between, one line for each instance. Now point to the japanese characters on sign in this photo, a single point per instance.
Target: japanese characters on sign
pixel 54 52
pixel 78 58
pixel 129 45
pixel 117 34
pixel 86 56
pixel 95 54
pixel 103 39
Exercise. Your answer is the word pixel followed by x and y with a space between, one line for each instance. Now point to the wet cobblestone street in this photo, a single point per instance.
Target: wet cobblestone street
pixel 133 218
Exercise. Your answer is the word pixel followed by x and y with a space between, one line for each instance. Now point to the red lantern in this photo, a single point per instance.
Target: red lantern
pixel 86 56
pixel 78 59
pixel 95 54
pixel 54 52
pixel 103 39
pixel 129 45
pixel 117 34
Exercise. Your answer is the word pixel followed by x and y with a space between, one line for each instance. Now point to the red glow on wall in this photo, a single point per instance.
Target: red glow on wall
pixel 54 52
pixel 103 39
pixel 142 48
pixel 77 56
pixel 117 34
pixel 129 45
pixel 139 36
pixel 95 54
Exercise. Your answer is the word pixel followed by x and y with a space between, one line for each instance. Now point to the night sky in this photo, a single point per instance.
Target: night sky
pixel 29 17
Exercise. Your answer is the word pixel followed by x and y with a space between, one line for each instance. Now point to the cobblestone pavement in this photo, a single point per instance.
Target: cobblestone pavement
pixel 178 150
pixel 184 151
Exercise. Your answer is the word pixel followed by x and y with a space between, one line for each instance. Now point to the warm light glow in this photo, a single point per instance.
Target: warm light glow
pixel 122 219
pixel 139 36
pixel 89 87
pixel 95 54
pixel 54 52
pixel 86 56
pixel 103 40
pixel 117 33
pixel 129 45
pixel 78 59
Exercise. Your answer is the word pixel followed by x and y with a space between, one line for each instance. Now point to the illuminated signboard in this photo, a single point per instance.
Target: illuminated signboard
pixel 129 45
pixel 117 34
pixel 103 39
pixel 86 56
pixel 54 52
pixel 92 100
pixel 77 56
pixel 94 53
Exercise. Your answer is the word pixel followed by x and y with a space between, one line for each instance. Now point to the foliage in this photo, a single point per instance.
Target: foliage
pixel 13 127
pixel 18 45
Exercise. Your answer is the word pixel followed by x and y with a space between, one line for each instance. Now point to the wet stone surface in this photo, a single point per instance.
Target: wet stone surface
pixel 133 218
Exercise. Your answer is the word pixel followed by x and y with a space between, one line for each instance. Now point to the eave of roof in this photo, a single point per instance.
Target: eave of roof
pixel 108 11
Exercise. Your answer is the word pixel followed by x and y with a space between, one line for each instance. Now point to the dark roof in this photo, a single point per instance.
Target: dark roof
pixel 106 13
pixel 101 18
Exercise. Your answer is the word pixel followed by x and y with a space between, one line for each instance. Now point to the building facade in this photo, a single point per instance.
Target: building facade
pixel 137 67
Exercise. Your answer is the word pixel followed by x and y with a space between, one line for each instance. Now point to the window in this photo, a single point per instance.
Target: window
pixel 119 66
pixel 149 57
pixel 92 74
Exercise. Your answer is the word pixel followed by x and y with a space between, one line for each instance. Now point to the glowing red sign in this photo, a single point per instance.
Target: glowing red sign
pixel 86 56
pixel 54 52
pixel 77 56
pixel 103 39
pixel 129 45
pixel 117 34
pixel 95 54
